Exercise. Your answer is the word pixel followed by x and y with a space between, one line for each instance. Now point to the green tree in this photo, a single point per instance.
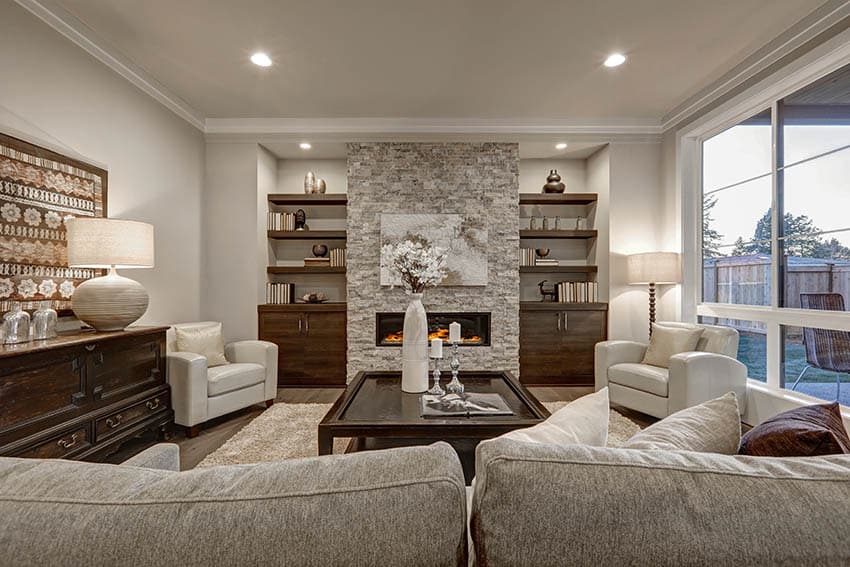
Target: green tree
pixel 710 237
pixel 804 241
pixel 740 248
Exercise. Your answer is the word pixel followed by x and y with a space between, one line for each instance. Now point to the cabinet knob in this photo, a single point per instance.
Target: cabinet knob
pixel 558 318
pixel 114 422
pixel 90 347
pixel 299 323
pixel 67 444
pixel 152 404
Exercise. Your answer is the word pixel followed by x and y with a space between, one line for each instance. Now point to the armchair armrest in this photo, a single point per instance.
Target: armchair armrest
pixel 162 456
pixel 187 375
pixel 696 377
pixel 609 353
pixel 263 353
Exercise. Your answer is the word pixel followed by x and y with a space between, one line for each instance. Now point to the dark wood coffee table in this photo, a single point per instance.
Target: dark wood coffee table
pixel 377 414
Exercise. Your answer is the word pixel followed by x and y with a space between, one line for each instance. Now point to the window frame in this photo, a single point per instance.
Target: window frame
pixel 689 142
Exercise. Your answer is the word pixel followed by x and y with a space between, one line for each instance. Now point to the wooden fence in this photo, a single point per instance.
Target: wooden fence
pixel 746 280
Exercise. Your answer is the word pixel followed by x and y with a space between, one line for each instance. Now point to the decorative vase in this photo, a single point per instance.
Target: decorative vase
pixel 321 186
pixel 44 322
pixel 320 250
pixel 310 182
pixel 414 350
pixel 553 183
pixel 16 325
pixel 109 303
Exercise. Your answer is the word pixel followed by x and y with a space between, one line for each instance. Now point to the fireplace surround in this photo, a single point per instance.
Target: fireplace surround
pixel 474 327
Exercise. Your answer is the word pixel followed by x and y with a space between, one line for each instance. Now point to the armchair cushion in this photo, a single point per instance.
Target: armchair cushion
pixel 667 341
pixel 710 427
pixel 643 377
pixel 204 339
pixel 223 379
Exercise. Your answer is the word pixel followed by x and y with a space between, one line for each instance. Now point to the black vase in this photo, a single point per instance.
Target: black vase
pixel 553 183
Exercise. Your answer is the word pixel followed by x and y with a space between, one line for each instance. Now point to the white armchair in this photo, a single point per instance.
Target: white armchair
pixel 690 379
pixel 199 394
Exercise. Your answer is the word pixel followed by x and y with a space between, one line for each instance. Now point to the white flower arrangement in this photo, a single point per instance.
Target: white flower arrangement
pixel 47 288
pixel 27 288
pixel 66 289
pixel 32 217
pixel 419 266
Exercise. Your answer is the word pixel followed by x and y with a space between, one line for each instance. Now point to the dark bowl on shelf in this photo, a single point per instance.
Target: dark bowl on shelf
pixel 320 250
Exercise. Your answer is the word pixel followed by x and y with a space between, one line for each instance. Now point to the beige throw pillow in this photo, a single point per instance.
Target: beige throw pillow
pixel 581 422
pixel 206 341
pixel 711 427
pixel 667 341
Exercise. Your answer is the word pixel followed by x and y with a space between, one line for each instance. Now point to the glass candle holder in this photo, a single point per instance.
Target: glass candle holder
pixel 44 321
pixel 16 325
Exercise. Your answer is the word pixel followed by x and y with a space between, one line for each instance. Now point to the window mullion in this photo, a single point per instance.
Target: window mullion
pixel 774 350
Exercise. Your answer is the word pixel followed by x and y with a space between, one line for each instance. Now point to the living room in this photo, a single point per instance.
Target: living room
pixel 533 283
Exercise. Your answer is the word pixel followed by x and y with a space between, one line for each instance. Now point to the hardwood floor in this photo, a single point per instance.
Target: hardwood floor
pixel 216 432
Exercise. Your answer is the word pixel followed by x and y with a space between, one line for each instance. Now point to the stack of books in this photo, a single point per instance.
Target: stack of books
pixel 545 262
pixel 281 221
pixel 526 256
pixel 279 293
pixel 316 262
pixel 577 292
pixel 337 257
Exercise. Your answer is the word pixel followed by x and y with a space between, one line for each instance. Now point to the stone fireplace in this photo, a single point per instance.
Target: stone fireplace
pixel 474 328
pixel 477 180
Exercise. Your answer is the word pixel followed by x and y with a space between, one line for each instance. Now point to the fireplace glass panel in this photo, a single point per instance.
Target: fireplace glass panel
pixel 474 328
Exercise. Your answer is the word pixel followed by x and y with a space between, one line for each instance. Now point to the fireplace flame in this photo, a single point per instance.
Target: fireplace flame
pixel 438 334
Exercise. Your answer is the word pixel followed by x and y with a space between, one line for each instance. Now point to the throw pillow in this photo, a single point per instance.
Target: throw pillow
pixel 581 422
pixel 667 341
pixel 801 432
pixel 206 341
pixel 711 427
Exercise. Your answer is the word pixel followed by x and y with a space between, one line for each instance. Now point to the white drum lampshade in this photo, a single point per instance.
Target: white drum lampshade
pixel 654 268
pixel 110 302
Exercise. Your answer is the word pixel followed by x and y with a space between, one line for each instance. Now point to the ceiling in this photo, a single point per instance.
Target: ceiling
pixel 435 58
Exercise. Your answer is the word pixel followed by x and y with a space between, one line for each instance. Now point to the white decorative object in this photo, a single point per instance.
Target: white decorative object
pixel 417 267
pixel 454 332
pixel 27 288
pixel 310 182
pixel 10 212
pixel 52 219
pixel 66 289
pixel 16 325
pixel 44 321
pixel 437 348
pixel 321 186
pixel 111 302
pixel 465 241
pixel 47 288
pixel 32 217
pixel 6 287
pixel 414 349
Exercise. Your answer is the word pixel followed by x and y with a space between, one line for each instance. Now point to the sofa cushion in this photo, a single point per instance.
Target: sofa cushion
pixel 583 421
pixel 667 341
pixel 643 377
pixel 801 432
pixel 710 427
pixel 224 379
pixel 204 339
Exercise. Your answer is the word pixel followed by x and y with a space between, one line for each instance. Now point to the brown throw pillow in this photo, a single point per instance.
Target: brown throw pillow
pixel 802 432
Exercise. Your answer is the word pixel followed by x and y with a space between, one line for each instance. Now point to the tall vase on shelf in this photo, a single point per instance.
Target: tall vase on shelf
pixel 414 347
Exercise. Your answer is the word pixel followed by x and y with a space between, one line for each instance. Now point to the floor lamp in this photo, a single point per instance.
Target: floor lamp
pixel 654 268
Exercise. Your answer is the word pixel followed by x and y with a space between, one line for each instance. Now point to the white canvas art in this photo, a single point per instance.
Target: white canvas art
pixel 464 239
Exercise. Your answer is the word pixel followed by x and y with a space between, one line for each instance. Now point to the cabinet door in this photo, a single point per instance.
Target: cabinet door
pixel 286 330
pixel 539 347
pixel 580 331
pixel 325 349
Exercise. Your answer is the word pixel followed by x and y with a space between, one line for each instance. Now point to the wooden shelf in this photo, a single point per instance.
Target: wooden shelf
pixel 305 270
pixel 558 269
pixel 557 198
pixel 555 306
pixel 328 306
pixel 307 234
pixel 564 234
pixel 310 200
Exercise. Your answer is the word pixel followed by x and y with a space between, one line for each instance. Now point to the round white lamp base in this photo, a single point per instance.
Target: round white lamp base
pixel 110 302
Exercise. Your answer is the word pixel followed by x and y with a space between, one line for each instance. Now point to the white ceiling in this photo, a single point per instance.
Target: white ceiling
pixel 435 58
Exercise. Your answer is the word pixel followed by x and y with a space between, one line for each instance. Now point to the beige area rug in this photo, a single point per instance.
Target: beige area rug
pixel 289 431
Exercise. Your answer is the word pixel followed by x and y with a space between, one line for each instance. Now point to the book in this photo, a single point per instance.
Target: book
pixel 317 262
pixel 281 221
pixel 577 292
pixel 466 405
pixel 280 293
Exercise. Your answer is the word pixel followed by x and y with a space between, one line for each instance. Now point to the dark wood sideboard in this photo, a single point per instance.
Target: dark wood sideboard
pixel 557 342
pixel 79 396
pixel 312 342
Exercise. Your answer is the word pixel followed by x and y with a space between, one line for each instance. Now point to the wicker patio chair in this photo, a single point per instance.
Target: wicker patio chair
pixel 826 349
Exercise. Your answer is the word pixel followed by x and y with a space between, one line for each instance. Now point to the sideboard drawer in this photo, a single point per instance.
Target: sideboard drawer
pixel 59 446
pixel 120 420
pixel 122 367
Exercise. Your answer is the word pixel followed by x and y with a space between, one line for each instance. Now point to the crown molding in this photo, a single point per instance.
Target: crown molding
pixel 394 127
pixel 84 37
pixel 827 16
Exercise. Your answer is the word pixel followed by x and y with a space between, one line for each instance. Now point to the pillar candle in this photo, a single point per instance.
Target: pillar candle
pixel 454 332
pixel 437 348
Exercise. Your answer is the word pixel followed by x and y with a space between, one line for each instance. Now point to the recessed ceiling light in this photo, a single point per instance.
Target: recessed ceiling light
pixel 561 146
pixel 305 145
pixel 615 60
pixel 261 59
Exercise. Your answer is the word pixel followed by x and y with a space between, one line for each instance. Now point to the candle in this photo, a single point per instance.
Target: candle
pixel 437 348
pixel 454 332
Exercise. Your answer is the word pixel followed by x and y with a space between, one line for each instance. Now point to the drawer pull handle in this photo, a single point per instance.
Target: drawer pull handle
pixel 91 347
pixel 114 422
pixel 153 404
pixel 65 444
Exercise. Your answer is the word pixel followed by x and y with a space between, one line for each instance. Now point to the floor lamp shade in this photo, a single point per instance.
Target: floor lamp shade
pixel 654 268
pixel 111 302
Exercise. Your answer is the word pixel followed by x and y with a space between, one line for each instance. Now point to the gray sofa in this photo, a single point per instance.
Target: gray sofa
pixel 399 507
pixel 574 505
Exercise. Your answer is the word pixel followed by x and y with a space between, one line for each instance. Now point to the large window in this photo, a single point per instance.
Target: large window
pixel 776 236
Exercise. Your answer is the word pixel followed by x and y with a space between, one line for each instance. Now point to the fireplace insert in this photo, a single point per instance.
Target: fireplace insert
pixel 474 328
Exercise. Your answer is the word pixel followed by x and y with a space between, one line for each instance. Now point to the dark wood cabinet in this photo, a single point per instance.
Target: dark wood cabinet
pixel 79 396
pixel 557 340
pixel 311 340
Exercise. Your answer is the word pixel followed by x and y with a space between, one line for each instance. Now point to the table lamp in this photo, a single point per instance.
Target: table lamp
pixel 110 302
pixel 654 268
